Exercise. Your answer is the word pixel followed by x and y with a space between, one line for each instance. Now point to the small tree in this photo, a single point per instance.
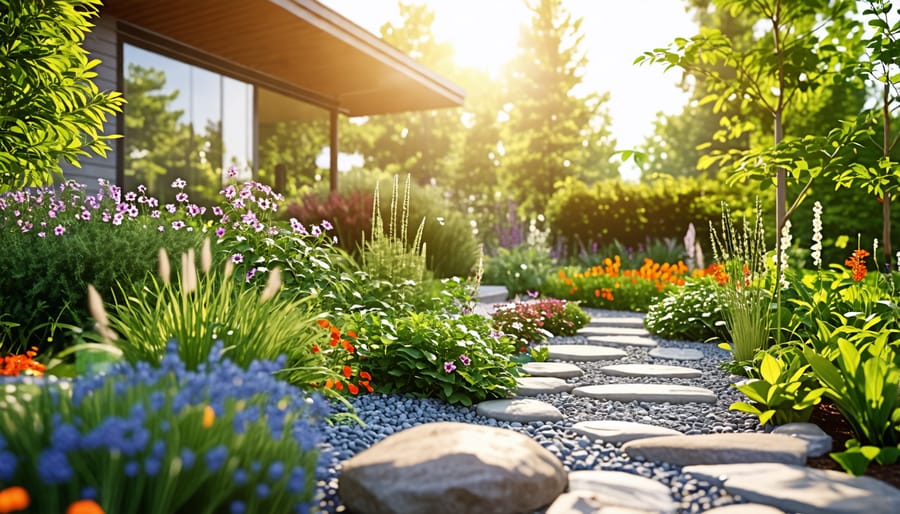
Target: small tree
pixel 50 110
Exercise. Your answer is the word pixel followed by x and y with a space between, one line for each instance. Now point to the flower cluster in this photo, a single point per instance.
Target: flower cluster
pixel 342 360
pixel 857 264
pixel 816 248
pixel 536 320
pixel 661 274
pixel 13 365
pixel 245 439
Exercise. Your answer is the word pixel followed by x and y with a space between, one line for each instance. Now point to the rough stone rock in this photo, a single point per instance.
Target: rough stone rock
pixel 583 352
pixel 678 354
pixel 583 502
pixel 686 450
pixel 612 331
pixel 611 431
pixel 531 386
pixel 624 340
pixel 523 410
pixel 672 393
pixel 650 370
pixel 745 508
pixel 552 369
pixel 819 442
pixel 452 468
pixel 620 489
pixel 802 489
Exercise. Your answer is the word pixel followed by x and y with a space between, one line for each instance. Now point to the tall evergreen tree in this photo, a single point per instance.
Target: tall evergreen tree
pixel 552 132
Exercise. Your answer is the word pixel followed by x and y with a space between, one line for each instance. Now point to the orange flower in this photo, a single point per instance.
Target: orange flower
pixel 353 389
pixel 347 372
pixel 329 383
pixel 84 507
pixel 347 346
pixel 323 323
pixel 14 498
pixel 857 264
pixel 13 365
pixel 365 383
pixel 365 375
pixel 209 416
pixel 351 333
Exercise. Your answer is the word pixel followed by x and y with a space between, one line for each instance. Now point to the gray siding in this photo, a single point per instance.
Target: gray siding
pixel 102 43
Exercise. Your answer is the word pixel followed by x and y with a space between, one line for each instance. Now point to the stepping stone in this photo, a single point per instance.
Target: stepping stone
pixel 492 294
pixel 620 431
pixel 819 442
pixel 624 341
pixel 583 352
pixel 744 508
pixel 531 386
pixel 686 450
pixel 583 502
pixel 523 410
pixel 678 354
pixel 802 489
pixel 612 331
pixel 620 489
pixel 552 369
pixel 650 370
pixel 617 321
pixel 647 393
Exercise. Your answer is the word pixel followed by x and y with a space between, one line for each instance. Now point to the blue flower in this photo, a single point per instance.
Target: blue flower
pixel 239 477
pixel 276 470
pixel 8 463
pixel 263 490
pixel 187 458
pixel 152 466
pixel 131 469
pixel 66 438
pixel 215 458
pixel 89 493
pixel 297 482
pixel 237 507
pixel 53 467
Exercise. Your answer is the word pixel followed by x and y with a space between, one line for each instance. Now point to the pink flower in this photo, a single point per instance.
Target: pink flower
pixel 465 359
pixel 237 258
pixel 59 230
pixel 449 367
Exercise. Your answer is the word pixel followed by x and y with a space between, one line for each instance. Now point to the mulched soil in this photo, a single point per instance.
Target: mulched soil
pixel 834 424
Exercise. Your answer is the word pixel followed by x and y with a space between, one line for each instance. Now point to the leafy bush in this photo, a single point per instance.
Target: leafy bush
pixel 145 439
pixel 784 392
pixel 691 313
pixel 611 287
pixel 57 240
pixel 536 320
pixel 52 110
pixel 521 269
pixel 657 250
pixel 428 354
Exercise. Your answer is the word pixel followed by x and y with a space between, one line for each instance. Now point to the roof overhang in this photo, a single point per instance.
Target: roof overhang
pixel 297 47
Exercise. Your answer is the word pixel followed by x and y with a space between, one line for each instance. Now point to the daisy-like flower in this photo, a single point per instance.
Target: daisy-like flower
pixel 237 258
pixel 465 359
pixel 179 183
pixel 449 367
pixel 178 225
pixel 220 232
pixel 59 230
pixel 326 225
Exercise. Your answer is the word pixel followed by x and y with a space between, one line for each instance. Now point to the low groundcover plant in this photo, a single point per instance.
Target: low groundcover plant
pixel 141 439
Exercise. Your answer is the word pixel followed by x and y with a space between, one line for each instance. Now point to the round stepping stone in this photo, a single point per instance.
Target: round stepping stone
pixel 678 354
pixel 650 370
pixel 617 321
pixel 620 431
pixel 531 386
pixel 744 508
pixel 612 331
pixel 583 502
pixel 583 352
pixel 523 410
pixel 621 489
pixel 671 393
pixel 552 369
pixel 645 342
pixel 819 443
pixel 802 489
pixel 686 450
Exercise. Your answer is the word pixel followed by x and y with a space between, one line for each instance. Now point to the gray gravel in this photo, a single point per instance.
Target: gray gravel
pixel 387 414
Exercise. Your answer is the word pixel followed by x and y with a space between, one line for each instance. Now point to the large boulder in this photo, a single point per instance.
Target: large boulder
pixel 452 468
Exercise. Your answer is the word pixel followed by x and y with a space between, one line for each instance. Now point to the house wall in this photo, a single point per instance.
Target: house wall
pixel 102 43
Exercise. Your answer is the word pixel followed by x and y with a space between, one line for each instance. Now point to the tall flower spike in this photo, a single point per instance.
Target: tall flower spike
pixel 165 272
pixel 785 247
pixel 206 257
pixel 816 247
pixel 188 272
pixel 272 285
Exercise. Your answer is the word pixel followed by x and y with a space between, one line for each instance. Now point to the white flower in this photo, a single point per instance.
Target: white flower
pixel 875 246
pixel 785 246
pixel 817 235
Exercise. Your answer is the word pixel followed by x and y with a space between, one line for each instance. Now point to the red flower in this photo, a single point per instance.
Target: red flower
pixel 315 348
pixel 365 375
pixel 857 264
pixel 347 372
pixel 323 323
pixel 347 346
pixel 353 389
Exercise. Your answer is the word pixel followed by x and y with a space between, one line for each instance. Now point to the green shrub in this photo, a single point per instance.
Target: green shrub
pixel 52 110
pixel 521 269
pixel 144 439
pixel 657 250
pixel 429 354
pixel 690 313
pixel 535 320
pixel 57 240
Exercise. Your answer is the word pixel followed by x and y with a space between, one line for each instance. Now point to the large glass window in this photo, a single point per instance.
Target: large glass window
pixel 183 121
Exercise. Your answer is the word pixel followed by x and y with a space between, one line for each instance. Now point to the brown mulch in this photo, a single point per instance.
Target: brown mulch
pixel 834 424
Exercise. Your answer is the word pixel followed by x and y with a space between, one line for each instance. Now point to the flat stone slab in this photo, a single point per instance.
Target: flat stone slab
pixel 523 410
pixel 802 489
pixel 617 321
pixel 612 331
pixel 611 431
pixel 620 489
pixel 678 354
pixel 552 369
pixel 650 370
pixel 583 352
pixel 626 340
pixel 687 450
pixel 492 294
pixel 531 386
pixel 583 502
pixel 819 442
pixel 672 393
pixel 744 508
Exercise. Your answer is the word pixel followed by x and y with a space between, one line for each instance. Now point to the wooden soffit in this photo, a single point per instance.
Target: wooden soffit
pixel 297 47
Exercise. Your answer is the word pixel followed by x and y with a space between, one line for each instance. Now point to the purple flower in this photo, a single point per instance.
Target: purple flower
pixel 327 225
pixel 59 230
pixel 170 208
pixel 237 258
pixel 42 234
pixel 154 214
pixel 86 215
pixel 250 274
pixel 449 367
pixel 232 171
pixel 179 183
pixel 218 211
pixel 297 227
pixel 117 219
pixel 181 197
pixel 220 232
pixel 315 230
pixel 465 359
pixel 130 196
pixel 178 225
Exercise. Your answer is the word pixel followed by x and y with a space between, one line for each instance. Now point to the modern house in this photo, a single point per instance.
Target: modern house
pixel 255 84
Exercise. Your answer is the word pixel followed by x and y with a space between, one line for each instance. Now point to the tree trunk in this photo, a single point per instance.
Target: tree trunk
pixel 886 206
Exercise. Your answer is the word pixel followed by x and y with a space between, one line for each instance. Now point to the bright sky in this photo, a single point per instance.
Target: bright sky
pixel 485 34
